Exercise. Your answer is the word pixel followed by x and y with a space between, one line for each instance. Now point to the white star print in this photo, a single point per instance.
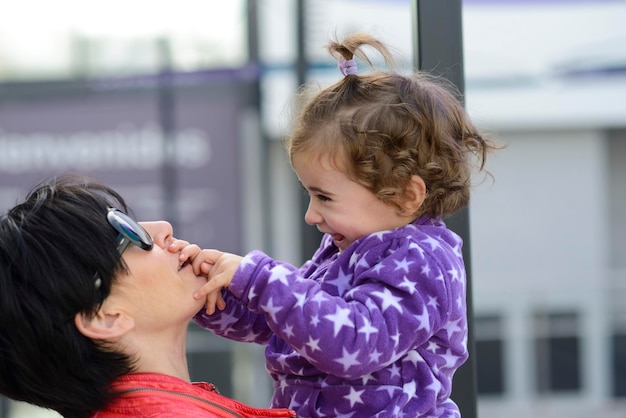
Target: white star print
pixel 354 396
pixel 271 309
pixel 371 305
pixel 414 246
pixel 282 384
pixel 368 330
pixel 453 327
pixel 432 301
pixel 403 265
pixel 433 347
pixel 365 379
pixel 410 389
pixel 348 360
pixel 455 274
pixel 395 371
pixel 362 264
pixel 315 320
pixel 457 250
pixel 282 359
pixel 251 336
pixel 389 300
pixel 319 297
pixel 409 285
pixel 377 268
pixel 449 358
pixel 340 319
pixel 353 258
pixel 224 321
pixel 288 330
pixel 313 344
pixel 434 244
pixel 279 273
pixel 435 386
pixel 375 356
pixel 423 319
pixel 319 413
pixel 248 261
pixel 341 282
pixel 251 293
pixel 413 357
pixel 300 299
pixel 293 404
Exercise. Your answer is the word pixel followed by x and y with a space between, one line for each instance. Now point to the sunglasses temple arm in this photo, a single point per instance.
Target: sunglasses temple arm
pixel 122 243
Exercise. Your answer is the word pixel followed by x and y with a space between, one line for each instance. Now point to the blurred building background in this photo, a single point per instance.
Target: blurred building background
pixel 182 106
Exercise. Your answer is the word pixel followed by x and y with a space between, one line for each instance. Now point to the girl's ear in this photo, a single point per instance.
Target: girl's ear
pixel 414 195
pixel 104 325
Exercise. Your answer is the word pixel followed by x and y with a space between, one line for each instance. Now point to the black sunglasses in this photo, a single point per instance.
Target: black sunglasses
pixel 130 232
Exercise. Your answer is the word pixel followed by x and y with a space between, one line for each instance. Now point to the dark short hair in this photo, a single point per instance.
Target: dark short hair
pixel 51 246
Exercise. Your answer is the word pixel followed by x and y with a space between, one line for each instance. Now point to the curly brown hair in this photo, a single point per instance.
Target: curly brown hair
pixel 384 127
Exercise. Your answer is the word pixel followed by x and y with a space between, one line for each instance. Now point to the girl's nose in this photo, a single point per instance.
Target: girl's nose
pixel 312 216
pixel 160 231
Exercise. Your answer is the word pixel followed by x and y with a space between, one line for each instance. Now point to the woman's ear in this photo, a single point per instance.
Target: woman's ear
pixel 414 195
pixel 104 324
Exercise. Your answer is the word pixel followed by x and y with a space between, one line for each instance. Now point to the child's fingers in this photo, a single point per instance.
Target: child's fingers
pixel 212 300
pixel 207 288
pixel 177 244
pixel 205 268
pixel 221 303
pixel 208 257
pixel 188 253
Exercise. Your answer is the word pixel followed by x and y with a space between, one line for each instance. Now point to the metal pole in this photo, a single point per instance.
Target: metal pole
pixel 310 236
pixel 166 114
pixel 439 50
pixel 4 407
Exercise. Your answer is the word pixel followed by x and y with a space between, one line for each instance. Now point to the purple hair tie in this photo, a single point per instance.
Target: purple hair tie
pixel 347 66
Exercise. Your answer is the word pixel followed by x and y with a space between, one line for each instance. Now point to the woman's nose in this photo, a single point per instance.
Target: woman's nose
pixel 160 231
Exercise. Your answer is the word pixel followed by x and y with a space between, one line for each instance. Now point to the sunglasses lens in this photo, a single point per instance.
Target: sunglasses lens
pixel 130 229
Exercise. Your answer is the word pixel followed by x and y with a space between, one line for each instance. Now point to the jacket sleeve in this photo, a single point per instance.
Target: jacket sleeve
pixel 235 322
pixel 370 309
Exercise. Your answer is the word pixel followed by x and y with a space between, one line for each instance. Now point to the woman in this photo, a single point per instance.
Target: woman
pixel 94 310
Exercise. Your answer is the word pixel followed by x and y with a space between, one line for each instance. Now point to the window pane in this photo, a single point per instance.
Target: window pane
pixel 489 353
pixel 489 367
pixel 557 352
pixel 619 365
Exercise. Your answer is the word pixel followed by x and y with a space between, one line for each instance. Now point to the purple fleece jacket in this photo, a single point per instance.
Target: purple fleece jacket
pixel 377 330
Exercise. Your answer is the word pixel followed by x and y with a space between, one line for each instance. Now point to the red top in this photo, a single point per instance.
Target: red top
pixel 159 395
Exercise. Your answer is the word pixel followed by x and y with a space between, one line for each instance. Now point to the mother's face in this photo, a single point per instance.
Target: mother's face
pixel 156 291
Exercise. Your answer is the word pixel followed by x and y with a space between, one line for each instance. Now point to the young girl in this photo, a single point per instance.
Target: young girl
pixel 374 325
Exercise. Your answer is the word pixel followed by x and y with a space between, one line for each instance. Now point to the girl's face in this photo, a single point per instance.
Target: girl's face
pixel 341 207
pixel 156 291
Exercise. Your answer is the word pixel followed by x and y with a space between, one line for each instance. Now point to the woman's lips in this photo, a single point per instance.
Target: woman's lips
pixel 184 264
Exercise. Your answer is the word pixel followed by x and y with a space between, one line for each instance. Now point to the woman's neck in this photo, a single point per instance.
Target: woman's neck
pixel 160 354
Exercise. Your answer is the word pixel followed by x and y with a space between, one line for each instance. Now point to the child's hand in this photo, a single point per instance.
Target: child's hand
pixel 221 272
pixel 201 266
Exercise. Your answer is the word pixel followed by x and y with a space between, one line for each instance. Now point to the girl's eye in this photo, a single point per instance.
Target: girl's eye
pixel 322 198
